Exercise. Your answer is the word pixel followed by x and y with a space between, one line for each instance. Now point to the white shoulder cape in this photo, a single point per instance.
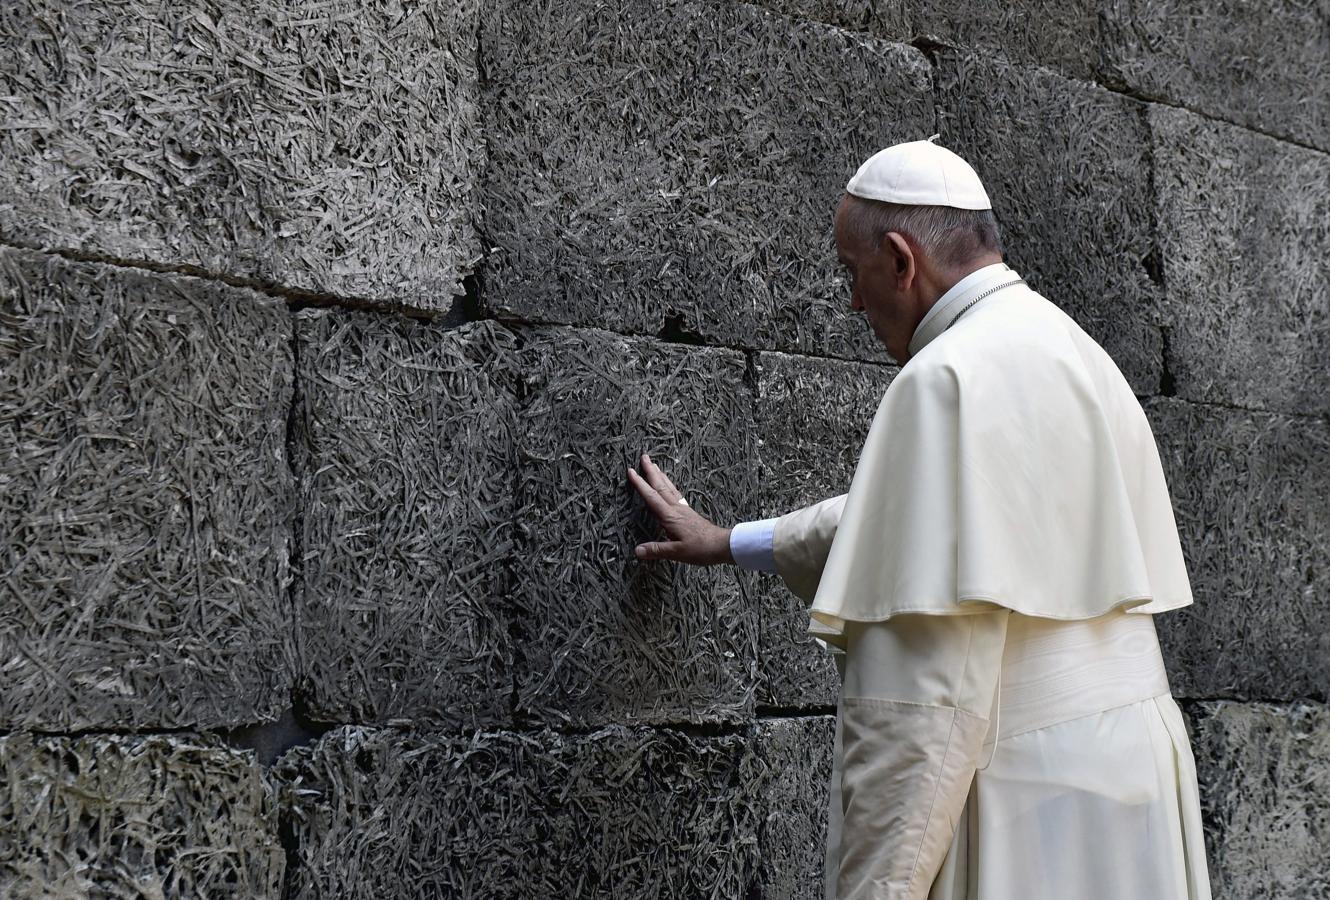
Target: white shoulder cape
pixel 1008 464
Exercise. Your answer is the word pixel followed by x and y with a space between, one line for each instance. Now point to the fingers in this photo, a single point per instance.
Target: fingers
pixel 658 505
pixel 660 550
pixel 660 481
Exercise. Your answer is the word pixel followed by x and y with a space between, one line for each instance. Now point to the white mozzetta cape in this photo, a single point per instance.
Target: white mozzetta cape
pixel 1009 465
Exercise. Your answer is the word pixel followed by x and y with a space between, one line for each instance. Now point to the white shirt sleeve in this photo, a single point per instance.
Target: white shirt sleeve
pixel 751 543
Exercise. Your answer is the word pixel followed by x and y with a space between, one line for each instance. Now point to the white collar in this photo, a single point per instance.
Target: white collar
pixel 945 308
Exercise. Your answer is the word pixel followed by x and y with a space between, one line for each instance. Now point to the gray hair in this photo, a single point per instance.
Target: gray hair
pixel 949 235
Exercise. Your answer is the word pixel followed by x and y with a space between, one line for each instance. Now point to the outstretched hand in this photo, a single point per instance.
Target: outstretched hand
pixel 693 537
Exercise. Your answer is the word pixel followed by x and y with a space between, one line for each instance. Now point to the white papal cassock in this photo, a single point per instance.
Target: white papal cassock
pixel 1005 729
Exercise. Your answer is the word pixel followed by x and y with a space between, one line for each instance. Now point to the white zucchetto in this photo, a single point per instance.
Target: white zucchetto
pixel 921 173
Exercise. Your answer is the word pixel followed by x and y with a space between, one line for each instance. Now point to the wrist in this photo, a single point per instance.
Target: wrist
pixel 726 553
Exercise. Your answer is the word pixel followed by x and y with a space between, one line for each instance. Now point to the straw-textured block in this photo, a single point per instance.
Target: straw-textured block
pixel 1263 65
pixel 812 419
pixel 1061 34
pixel 676 166
pixel 1067 167
pixel 872 16
pixel 1265 797
pixel 1244 225
pixel 601 635
pixel 331 148
pixel 620 812
pixel 145 499
pixel 813 416
pixel 405 450
pixel 794 768
pixel 1249 493
pixel 135 816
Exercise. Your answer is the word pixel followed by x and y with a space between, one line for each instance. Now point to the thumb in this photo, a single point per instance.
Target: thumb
pixel 659 550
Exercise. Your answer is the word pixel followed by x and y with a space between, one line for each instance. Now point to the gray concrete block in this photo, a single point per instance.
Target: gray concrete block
pixel 888 20
pixel 1061 34
pixel 601 636
pixel 1265 798
pixel 1066 165
pixel 405 451
pixel 618 812
pixel 1249 494
pixel 812 418
pixel 331 149
pixel 1244 226
pixel 1263 65
pixel 676 167
pixel 794 770
pixel 144 499
pixel 135 816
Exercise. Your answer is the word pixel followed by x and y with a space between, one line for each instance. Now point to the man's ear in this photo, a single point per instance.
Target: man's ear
pixel 901 256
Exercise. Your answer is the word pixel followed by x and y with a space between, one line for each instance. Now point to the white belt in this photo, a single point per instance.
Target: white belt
pixel 1054 670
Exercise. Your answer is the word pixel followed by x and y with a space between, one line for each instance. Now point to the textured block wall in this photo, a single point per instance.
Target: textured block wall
pixel 328 333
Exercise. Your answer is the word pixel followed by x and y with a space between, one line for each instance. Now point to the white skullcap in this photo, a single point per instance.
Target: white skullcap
pixel 919 172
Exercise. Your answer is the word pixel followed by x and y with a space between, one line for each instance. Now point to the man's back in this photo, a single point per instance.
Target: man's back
pixel 1008 464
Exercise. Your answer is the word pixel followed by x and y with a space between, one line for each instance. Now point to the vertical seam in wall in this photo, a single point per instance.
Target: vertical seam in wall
pixel 750 381
pixel 508 581
pixel 286 832
pixel 1155 251
pixel 295 545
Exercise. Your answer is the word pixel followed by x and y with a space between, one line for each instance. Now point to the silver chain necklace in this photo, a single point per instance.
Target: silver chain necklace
pixel 962 310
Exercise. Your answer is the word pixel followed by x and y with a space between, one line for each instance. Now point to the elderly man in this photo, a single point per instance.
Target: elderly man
pixel 1005 727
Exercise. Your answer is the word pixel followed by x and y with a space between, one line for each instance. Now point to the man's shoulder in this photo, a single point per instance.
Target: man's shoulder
pixel 1023 331
pixel 1021 349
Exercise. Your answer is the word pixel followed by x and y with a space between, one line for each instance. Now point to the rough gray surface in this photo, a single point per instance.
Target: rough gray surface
pixel 620 812
pixel 873 16
pixel 1265 796
pixel 1264 65
pixel 1066 165
pixel 794 769
pixel 1244 225
pixel 1249 495
pixel 1063 34
pixel 676 166
pixel 600 635
pixel 131 817
pixel 331 148
pixel 812 417
pixel 405 450
pixel 145 499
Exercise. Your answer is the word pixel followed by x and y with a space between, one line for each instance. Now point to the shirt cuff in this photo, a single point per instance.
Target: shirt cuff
pixel 751 545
